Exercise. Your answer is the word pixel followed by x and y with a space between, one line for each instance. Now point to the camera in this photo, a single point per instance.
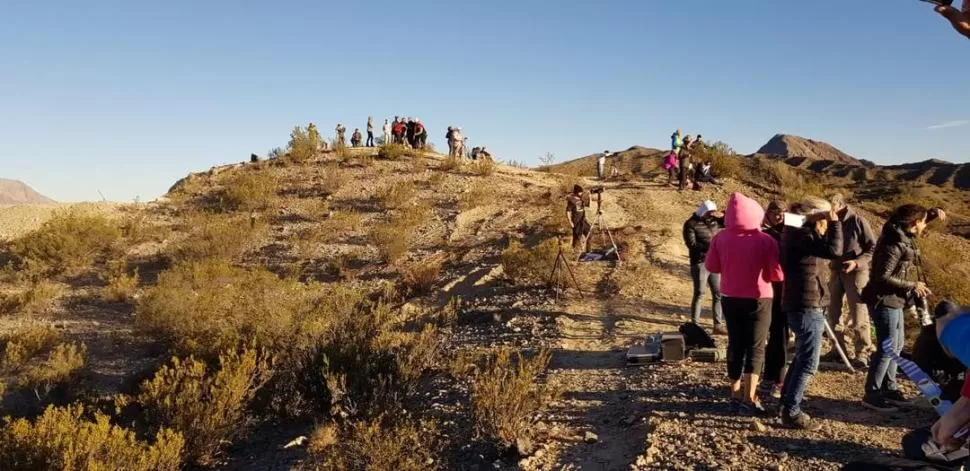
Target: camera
pixel 596 190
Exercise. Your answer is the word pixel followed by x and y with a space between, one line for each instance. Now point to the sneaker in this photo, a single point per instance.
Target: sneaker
pixel 776 390
pixel 895 397
pixel 800 421
pixel 860 364
pixel 878 403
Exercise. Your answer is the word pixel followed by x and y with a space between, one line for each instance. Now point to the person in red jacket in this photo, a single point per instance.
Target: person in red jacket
pixel 747 260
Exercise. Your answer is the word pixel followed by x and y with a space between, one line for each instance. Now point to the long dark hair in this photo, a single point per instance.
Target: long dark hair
pixel 907 215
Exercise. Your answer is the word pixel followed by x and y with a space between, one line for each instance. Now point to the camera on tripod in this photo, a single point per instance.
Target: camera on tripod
pixel 923 314
pixel 596 190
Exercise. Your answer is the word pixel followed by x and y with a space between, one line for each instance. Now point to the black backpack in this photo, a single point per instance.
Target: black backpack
pixel 696 337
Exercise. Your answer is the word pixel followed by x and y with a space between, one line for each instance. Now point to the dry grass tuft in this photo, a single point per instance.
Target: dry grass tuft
pixel 482 167
pixel 384 443
pixel 69 240
pixel 121 285
pixel 451 164
pixel 249 191
pixel 217 237
pixel 332 179
pixel 420 278
pixel 22 345
pixel 37 297
pixel 396 195
pixel 479 194
pixel 393 239
pixel 61 368
pixel 396 152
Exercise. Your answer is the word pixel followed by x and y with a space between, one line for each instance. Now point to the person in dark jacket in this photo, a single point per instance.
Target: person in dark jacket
pixel 804 252
pixel 849 274
pixel 888 293
pixel 699 230
pixel 776 353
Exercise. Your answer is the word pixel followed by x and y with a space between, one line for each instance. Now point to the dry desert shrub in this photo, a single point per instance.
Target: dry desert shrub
pixel 208 408
pixel 62 438
pixel 63 365
pixel 724 161
pixel 121 285
pixel 451 164
pixel 506 392
pixel 420 278
pixel 482 167
pixel 69 240
pixel 478 194
pixel 332 179
pixel 383 443
pixel 303 144
pixel 947 275
pixel 219 237
pixel 396 152
pixel 529 266
pixel 397 194
pixel 249 191
pixel 34 298
pixel 25 343
pixel 394 239
pixel 785 180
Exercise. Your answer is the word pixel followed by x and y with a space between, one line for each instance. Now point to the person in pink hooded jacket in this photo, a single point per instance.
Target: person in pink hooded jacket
pixel 748 262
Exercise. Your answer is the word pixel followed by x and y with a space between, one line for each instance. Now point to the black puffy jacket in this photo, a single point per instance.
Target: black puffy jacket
pixel 698 234
pixel 804 256
pixel 889 284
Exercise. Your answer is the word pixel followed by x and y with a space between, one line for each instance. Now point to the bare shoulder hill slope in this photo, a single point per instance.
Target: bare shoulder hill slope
pixel 787 145
pixel 18 192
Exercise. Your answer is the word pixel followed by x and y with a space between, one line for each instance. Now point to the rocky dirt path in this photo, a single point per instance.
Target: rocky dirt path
pixel 674 416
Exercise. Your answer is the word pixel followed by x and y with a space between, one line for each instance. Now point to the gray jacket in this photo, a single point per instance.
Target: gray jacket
pixel 858 241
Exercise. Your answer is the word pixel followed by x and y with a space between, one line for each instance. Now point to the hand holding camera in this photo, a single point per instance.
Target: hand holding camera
pixel 959 19
pixel 922 290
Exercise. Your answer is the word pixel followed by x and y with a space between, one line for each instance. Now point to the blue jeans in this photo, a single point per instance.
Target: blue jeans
pixel 882 370
pixel 702 280
pixel 808 326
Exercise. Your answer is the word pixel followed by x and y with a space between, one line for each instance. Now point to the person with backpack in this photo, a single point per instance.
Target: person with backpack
pixel 370 131
pixel 776 352
pixel 805 254
pixel 699 230
pixel 675 141
pixel 888 293
pixel 747 260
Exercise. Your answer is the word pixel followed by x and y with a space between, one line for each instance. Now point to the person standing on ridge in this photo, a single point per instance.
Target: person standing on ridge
pixel 387 132
pixel 804 252
pixel 684 161
pixel 848 275
pixel 576 204
pixel 601 165
pixel 675 141
pixel 340 134
pixel 776 353
pixel 370 131
pixel 356 138
pixel 671 165
pixel 699 230
pixel 747 260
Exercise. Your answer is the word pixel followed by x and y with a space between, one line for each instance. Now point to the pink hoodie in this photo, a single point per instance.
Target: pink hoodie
pixel 746 258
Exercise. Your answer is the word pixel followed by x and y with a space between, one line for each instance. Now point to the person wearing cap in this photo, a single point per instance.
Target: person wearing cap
pixel 776 353
pixel 685 164
pixel 960 20
pixel 576 204
pixel 805 251
pixel 699 230
pixel 848 274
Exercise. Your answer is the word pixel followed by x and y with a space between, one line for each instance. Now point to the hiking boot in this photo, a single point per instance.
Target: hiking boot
pixel 859 363
pixel 895 397
pixel 878 403
pixel 801 421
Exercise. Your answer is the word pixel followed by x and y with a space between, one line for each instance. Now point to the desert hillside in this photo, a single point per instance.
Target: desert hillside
pixel 358 309
pixel 17 192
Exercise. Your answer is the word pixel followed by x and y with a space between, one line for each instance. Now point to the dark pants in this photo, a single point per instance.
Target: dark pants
pixel 684 165
pixel 581 228
pixel 808 326
pixel 747 324
pixel 702 280
pixel 370 138
pixel 882 370
pixel 776 356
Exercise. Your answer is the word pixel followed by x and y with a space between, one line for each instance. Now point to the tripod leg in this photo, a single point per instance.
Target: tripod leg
pixel 573 276
pixel 838 348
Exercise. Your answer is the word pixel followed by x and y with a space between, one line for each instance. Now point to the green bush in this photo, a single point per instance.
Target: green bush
pixel 217 237
pixel 22 345
pixel 59 370
pixel 788 182
pixel 304 143
pixel 482 167
pixel 69 240
pixel 725 163
pixel 63 439
pixel 384 443
pixel 395 152
pixel 207 408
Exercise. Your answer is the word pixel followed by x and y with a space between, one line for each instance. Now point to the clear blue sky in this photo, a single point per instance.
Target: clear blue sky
pixel 126 97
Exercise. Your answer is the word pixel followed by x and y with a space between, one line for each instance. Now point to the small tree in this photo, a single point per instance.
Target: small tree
pixel 548 159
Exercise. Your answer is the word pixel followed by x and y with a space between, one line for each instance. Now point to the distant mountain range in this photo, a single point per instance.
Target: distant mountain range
pixel 18 192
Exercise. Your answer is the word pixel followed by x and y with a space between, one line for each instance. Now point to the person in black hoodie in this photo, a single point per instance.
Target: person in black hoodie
pixel 805 252
pixel 699 230
pixel 888 293
pixel 776 353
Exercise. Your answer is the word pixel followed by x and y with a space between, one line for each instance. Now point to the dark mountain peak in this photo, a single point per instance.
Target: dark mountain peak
pixel 787 145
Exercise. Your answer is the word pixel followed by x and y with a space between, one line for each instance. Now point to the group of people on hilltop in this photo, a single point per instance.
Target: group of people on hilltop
pixel 768 278
pixel 408 132
pixel 680 162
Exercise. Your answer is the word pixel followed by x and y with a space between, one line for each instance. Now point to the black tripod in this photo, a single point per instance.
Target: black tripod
pixel 604 229
pixel 557 281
